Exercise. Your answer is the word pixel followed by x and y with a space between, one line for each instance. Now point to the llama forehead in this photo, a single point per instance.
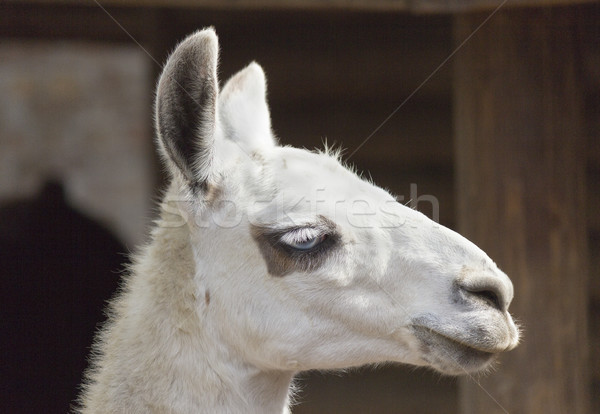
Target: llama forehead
pixel 291 186
pixel 318 177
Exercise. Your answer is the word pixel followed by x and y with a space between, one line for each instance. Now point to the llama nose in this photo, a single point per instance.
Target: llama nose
pixel 491 289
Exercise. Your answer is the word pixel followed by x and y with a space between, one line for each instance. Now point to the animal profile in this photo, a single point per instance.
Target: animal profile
pixel 269 260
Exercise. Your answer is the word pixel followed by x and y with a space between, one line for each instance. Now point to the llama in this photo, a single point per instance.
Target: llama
pixel 270 260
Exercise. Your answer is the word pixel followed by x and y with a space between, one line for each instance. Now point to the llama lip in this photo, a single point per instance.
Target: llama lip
pixel 424 331
pixel 450 355
pixel 490 332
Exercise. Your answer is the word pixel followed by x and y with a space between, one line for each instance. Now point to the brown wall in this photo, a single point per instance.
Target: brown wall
pixel 338 76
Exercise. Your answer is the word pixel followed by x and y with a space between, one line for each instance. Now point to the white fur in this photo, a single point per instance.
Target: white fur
pixel 203 327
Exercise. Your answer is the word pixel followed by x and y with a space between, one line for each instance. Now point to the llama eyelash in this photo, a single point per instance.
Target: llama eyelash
pixel 300 235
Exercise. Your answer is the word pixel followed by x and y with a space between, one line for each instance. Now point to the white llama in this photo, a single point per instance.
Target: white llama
pixel 270 260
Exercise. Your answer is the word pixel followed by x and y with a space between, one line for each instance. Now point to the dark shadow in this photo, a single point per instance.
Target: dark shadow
pixel 57 270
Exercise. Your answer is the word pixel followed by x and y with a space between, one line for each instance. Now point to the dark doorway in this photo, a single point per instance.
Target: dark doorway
pixel 57 270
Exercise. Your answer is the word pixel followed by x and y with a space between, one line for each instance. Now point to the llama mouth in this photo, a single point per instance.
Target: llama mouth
pixel 451 355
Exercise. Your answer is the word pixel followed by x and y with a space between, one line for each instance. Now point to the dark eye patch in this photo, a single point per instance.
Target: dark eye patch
pixel 282 259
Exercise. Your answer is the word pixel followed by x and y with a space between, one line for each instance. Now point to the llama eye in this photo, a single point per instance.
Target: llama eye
pixel 307 244
pixel 303 239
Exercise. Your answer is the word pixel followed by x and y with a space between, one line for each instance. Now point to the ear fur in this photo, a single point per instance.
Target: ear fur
pixel 244 111
pixel 186 108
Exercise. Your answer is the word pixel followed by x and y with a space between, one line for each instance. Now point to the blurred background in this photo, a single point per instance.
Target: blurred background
pixel 496 113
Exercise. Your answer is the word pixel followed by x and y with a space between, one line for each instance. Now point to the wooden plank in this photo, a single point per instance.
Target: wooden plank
pixel 75 22
pixel 315 55
pixel 593 200
pixel 463 6
pixel 594 242
pixel 595 356
pixel 520 150
pixel 244 4
pixel 418 6
pixel 590 51
pixel 409 140
pixel 594 323
pixel 386 390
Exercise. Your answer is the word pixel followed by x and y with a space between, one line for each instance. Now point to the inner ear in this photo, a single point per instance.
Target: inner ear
pixel 244 111
pixel 186 107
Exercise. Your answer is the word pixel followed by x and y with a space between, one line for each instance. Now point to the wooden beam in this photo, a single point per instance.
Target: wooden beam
pixel 463 6
pixel 520 153
pixel 418 6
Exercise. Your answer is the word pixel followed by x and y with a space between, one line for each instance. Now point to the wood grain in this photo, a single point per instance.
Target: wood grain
pixel 520 150
pixel 418 6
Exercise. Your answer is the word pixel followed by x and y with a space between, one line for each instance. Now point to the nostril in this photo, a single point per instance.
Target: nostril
pixel 489 289
pixel 486 295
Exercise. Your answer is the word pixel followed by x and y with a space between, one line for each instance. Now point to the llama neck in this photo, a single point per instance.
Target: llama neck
pixel 227 386
pixel 212 375
pixel 257 392
pixel 163 352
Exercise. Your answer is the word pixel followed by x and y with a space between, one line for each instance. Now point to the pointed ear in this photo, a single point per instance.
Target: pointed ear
pixel 186 102
pixel 244 111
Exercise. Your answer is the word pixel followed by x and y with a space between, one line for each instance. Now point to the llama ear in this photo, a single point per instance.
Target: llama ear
pixel 244 111
pixel 186 108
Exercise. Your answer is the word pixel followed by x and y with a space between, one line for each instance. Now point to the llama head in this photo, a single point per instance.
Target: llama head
pixel 308 266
